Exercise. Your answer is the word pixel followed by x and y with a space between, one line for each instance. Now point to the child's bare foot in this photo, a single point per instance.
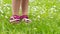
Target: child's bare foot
pixel 15 19
pixel 25 18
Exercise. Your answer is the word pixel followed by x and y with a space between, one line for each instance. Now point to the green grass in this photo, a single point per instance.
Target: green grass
pixel 45 16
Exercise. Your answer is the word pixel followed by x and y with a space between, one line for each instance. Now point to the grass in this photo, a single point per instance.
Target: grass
pixel 45 16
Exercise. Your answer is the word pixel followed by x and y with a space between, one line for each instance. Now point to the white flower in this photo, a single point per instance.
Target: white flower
pixel 1 11
pixel 31 0
pixel 38 16
pixel 6 17
pixel 35 28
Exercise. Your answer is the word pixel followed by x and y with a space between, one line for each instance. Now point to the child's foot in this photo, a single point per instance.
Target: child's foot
pixel 15 19
pixel 25 18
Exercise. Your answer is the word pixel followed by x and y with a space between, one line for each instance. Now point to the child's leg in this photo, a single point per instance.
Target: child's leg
pixel 15 7
pixel 25 7
pixel 25 11
pixel 15 11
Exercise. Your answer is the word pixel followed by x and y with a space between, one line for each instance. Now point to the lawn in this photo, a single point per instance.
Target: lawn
pixel 45 16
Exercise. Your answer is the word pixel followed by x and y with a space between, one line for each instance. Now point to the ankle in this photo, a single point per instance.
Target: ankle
pixel 24 16
pixel 16 14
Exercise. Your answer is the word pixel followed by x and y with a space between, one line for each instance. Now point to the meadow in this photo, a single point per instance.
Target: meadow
pixel 45 16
